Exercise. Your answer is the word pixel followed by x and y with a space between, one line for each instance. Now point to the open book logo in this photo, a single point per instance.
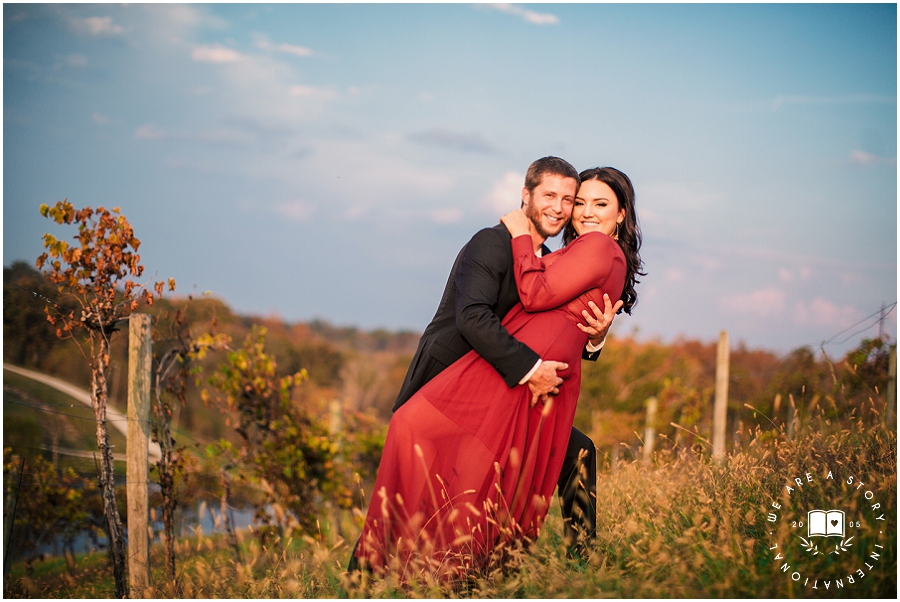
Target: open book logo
pixel 823 523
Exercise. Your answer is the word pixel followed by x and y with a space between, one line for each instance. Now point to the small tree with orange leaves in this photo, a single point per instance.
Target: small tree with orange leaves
pixel 95 279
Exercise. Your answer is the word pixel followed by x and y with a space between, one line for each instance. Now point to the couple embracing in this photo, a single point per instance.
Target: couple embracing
pixel 482 430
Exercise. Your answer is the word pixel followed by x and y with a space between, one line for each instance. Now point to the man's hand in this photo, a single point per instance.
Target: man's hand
pixel 516 222
pixel 544 382
pixel 598 324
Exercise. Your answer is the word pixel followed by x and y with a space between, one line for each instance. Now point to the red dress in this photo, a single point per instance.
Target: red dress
pixel 468 464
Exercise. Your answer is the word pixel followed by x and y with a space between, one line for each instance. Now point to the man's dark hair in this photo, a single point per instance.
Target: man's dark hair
pixel 549 165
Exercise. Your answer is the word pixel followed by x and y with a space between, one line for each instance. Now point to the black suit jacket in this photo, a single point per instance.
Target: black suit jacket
pixel 480 291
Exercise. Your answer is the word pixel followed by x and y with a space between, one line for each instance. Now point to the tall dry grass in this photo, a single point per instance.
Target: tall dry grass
pixel 691 526
pixel 684 525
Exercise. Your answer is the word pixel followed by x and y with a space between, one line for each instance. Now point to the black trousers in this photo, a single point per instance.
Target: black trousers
pixel 577 489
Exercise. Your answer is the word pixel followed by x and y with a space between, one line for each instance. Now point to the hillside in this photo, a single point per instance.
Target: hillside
pixel 40 420
pixel 364 369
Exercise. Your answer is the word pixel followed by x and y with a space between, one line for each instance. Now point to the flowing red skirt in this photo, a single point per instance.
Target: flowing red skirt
pixel 469 466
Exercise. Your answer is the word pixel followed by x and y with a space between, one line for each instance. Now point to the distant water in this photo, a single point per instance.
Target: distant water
pixel 205 516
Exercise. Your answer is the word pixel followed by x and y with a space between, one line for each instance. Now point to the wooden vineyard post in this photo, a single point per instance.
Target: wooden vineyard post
pixel 336 430
pixel 650 429
pixel 720 410
pixel 891 393
pixel 139 371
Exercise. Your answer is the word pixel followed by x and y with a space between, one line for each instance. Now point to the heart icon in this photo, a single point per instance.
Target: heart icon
pixel 834 523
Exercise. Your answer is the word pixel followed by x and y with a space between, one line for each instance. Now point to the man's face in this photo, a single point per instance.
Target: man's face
pixel 549 207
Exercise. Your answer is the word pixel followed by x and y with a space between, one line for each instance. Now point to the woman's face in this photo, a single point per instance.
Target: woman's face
pixel 596 209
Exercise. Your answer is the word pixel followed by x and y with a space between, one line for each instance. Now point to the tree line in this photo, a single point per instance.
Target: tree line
pixel 365 369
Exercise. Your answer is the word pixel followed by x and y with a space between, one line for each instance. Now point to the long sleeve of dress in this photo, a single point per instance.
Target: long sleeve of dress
pixel 585 264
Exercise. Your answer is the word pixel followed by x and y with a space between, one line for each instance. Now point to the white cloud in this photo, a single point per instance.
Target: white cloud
pixel 183 16
pixel 775 307
pixel 528 15
pixel 506 194
pixel 708 263
pixel 215 54
pixel 674 274
pixel 171 28
pixel 149 132
pixel 96 26
pixel 76 60
pixel 823 313
pixel 222 135
pixel 355 212
pixel 296 210
pixel 456 141
pixel 312 92
pixel 852 278
pixel 264 44
pixel 762 303
pixel 245 82
pixel 262 85
pixel 100 119
pixel 678 195
pixel 295 50
pixel 376 167
pixel 353 178
pixel 787 275
pixel 450 215
pixel 864 159
pixel 647 216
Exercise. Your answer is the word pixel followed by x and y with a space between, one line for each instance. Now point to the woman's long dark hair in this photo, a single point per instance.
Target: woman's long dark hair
pixel 629 231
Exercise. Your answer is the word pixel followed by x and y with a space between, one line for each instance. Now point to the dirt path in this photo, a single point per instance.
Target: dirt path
pixel 115 418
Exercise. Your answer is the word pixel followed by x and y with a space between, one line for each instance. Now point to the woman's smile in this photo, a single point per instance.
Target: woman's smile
pixel 596 209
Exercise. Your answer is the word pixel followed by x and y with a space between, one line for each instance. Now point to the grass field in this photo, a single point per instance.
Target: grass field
pixel 681 526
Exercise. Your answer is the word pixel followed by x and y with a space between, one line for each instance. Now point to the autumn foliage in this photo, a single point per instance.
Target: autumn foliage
pixel 93 271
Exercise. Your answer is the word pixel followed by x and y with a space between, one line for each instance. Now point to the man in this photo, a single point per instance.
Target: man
pixel 480 291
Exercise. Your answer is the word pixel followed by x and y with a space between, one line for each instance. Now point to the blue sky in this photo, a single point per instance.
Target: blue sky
pixel 329 160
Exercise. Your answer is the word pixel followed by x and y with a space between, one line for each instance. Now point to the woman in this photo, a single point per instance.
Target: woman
pixel 469 465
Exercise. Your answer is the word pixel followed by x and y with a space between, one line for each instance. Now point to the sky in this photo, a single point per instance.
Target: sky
pixel 328 161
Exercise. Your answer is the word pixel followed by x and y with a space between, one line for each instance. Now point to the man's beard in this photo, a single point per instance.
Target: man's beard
pixel 535 216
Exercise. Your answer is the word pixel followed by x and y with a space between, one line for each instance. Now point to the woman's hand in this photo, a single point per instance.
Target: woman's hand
pixel 516 222
pixel 598 324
